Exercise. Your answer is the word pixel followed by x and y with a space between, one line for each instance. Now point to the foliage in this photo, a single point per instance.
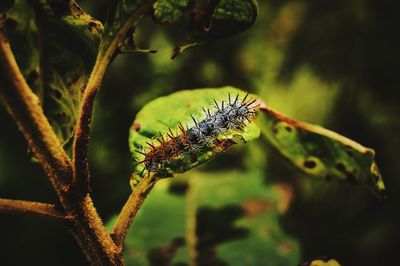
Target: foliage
pixel 213 219
pixel 165 113
pixel 323 153
pixel 244 207
pixel 205 20
pixel 57 69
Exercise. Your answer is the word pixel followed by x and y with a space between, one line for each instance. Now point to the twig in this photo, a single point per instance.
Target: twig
pixel 24 106
pixel 82 133
pixel 130 210
pixel 81 216
pixel 31 207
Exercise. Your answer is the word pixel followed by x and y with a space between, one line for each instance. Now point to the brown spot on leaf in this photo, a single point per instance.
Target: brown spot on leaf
pixel 286 248
pixel 310 164
pixel 284 198
pixel 255 206
pixel 288 128
pixel 135 126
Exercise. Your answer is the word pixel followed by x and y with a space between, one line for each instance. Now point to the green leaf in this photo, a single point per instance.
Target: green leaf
pixel 123 16
pixel 239 216
pixel 167 112
pixel 322 153
pixel 226 218
pixel 206 20
pixel 69 41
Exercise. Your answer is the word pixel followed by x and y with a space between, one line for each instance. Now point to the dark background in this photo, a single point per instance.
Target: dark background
pixel 334 63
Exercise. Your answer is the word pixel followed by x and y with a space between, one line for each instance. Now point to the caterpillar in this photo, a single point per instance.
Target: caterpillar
pixel 202 135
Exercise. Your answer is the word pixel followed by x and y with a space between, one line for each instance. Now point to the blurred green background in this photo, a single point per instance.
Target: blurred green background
pixel 333 63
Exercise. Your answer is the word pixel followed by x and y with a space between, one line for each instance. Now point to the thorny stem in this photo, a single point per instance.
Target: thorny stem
pixel 24 106
pixel 31 207
pixel 130 210
pixel 81 172
pixel 71 182
pixel 90 233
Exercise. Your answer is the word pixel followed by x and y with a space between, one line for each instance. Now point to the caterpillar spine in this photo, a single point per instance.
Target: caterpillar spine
pixel 232 114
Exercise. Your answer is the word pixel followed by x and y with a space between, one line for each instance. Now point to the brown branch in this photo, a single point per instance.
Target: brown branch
pixel 25 108
pixel 88 229
pixel 81 217
pixel 83 127
pixel 23 105
pixel 130 210
pixel 31 207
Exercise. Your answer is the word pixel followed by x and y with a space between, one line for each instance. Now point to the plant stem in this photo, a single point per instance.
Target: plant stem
pixel 25 108
pixel 31 207
pixel 88 229
pixel 23 105
pixel 83 127
pixel 70 181
pixel 130 210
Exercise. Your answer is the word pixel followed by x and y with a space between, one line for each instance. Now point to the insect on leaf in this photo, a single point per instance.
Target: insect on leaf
pixel 175 133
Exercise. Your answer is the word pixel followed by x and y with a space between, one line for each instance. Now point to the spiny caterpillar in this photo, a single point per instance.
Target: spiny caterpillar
pixel 233 114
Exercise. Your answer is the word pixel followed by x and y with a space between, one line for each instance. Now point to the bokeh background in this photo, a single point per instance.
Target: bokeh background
pixel 333 63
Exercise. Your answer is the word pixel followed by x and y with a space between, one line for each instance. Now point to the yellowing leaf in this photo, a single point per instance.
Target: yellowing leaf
pixel 320 152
